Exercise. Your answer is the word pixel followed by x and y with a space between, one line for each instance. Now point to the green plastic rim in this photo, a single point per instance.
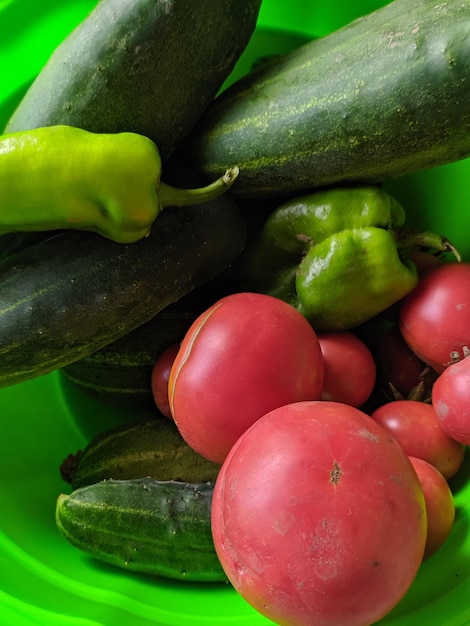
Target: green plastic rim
pixel 43 580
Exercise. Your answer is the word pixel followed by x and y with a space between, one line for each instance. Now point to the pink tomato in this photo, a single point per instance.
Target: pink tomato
pixel 246 355
pixel 440 508
pixel 435 316
pixel 418 429
pixel 451 400
pixel 349 368
pixel 318 516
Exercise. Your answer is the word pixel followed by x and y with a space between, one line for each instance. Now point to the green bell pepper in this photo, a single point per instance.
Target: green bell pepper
pixel 64 177
pixel 339 255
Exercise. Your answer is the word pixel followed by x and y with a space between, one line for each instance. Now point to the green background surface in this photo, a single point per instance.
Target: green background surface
pixel 43 580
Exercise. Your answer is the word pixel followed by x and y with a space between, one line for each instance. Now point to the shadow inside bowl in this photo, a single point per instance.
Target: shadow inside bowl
pixel 90 416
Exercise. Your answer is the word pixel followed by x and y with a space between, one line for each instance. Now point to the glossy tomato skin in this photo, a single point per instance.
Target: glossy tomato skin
pixel 350 370
pixel 159 379
pixel 440 507
pixel 308 514
pixel 418 429
pixel 435 316
pixel 246 355
pixel 451 400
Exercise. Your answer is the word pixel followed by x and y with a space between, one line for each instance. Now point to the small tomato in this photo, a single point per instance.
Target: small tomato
pixel 159 379
pixel 397 365
pixel 349 368
pixel 435 316
pixel 440 508
pixel 416 426
pixel 451 400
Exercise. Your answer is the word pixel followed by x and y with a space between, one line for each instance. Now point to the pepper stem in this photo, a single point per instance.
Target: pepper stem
pixel 173 196
pixel 426 239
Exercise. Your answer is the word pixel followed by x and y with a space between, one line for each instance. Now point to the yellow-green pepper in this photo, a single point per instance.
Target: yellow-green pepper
pixel 338 255
pixel 60 177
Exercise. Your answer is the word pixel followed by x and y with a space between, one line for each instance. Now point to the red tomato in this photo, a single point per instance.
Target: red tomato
pixel 396 363
pixel 440 508
pixel 308 516
pixel 435 316
pixel 246 355
pixel 451 400
pixel 416 426
pixel 159 379
pixel 349 368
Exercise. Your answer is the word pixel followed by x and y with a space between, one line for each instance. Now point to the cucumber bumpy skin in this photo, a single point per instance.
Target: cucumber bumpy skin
pixel 382 97
pixel 144 525
pixel 151 447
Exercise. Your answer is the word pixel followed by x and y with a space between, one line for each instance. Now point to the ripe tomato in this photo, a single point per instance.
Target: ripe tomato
pixel 435 316
pixel 396 363
pixel 451 400
pixel 349 368
pixel 244 356
pixel 440 507
pixel 159 379
pixel 308 514
pixel 416 426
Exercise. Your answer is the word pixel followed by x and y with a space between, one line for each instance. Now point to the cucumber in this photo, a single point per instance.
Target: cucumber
pixel 10 243
pixel 141 500
pixel 144 525
pixel 120 373
pixel 146 66
pixel 150 446
pixel 384 96
pixel 70 295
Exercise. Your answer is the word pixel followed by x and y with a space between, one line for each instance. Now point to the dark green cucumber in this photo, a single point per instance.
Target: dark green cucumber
pixel 146 66
pixel 144 525
pixel 70 295
pixel 384 96
pixel 11 243
pixel 149 446
pixel 120 373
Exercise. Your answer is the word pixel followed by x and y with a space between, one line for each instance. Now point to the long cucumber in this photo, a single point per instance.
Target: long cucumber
pixel 384 96
pixel 145 66
pixel 74 293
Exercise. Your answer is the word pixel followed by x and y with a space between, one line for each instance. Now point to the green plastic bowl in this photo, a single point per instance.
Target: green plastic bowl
pixel 44 580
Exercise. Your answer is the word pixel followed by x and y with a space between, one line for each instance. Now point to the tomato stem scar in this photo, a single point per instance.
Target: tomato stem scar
pixel 335 473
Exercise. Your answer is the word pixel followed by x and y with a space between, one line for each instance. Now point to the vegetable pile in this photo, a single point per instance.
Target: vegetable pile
pixel 293 353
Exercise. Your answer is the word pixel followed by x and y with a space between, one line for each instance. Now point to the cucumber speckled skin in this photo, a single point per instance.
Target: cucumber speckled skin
pixel 120 373
pixel 76 292
pixel 144 525
pixel 151 446
pixel 382 97
pixel 11 243
pixel 146 66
